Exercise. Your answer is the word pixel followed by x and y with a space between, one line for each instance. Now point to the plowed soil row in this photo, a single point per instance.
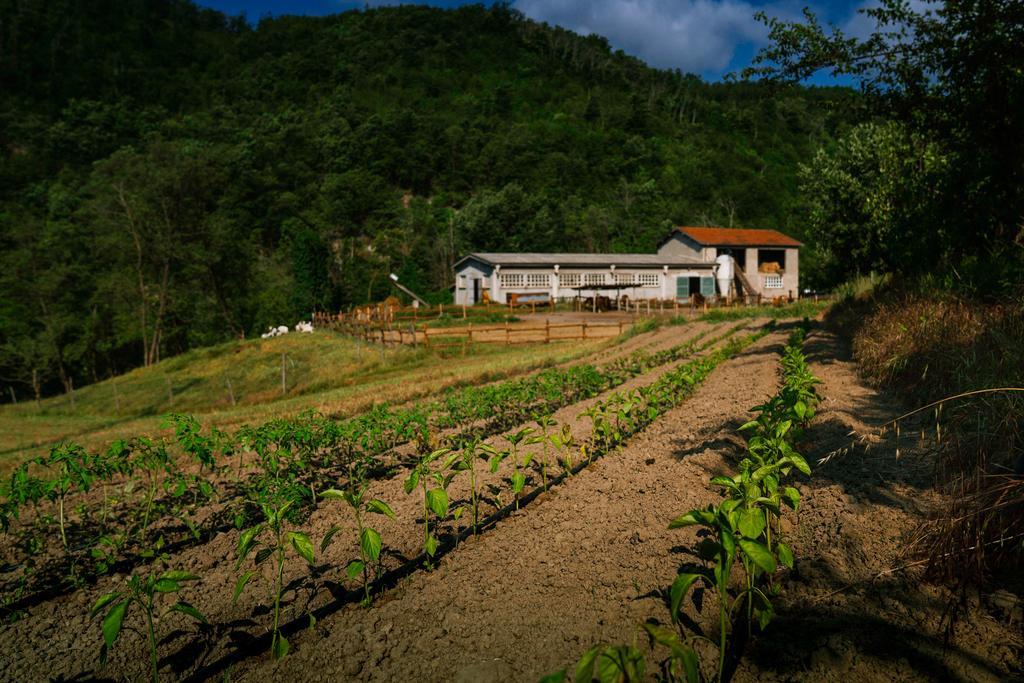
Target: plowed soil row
pixel 214 561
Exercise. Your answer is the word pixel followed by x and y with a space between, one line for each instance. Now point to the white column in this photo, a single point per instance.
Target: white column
pixel 495 284
pixel 554 284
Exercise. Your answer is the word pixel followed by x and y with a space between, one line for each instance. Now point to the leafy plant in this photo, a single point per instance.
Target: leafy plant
pixel 464 460
pixel 435 499
pixel 142 592
pixel 369 538
pixel 275 540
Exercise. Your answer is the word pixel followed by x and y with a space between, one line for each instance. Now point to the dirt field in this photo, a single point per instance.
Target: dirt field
pixel 583 563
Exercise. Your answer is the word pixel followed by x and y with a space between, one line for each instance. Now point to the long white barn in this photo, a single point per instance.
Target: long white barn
pixel 686 264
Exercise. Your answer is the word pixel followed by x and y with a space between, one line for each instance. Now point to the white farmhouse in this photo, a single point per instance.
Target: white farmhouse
pixel 685 264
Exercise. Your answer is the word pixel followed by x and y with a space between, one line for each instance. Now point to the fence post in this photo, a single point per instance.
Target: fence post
pixel 284 374
pixel 508 334
pixel 470 335
pixel 620 328
pixel 231 391
pixel 463 311
pixel 547 330
pixel 584 326
pixel 426 336
pixel 412 330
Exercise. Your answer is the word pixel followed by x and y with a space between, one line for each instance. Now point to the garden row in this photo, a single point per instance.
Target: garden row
pixel 277 536
pixel 147 497
pixel 739 545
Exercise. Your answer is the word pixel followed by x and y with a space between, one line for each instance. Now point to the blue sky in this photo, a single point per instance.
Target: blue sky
pixel 707 37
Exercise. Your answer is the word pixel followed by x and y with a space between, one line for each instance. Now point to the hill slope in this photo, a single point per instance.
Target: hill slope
pixel 173 178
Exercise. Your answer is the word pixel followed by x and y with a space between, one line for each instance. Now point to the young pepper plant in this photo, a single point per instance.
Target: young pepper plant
pixel 370 543
pixel 278 541
pixel 142 592
pixel 464 460
pixel 435 499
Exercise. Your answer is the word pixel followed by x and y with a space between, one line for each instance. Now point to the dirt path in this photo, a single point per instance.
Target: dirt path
pixel 846 615
pixel 530 595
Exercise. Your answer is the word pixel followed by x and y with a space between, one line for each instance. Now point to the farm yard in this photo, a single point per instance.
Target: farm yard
pixel 451 531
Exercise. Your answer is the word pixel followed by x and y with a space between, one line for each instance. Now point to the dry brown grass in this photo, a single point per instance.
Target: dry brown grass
pixel 929 346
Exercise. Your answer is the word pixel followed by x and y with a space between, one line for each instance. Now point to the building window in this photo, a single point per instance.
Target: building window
pixel 538 280
pixel 593 278
pixel 773 282
pixel 650 279
pixel 511 279
pixel 569 279
pixel 462 282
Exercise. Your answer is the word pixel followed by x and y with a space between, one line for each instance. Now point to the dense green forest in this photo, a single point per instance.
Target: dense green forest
pixel 171 177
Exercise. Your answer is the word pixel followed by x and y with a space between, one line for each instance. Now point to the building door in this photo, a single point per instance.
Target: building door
pixel 476 292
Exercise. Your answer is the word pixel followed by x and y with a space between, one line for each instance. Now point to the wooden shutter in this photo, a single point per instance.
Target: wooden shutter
pixel 707 286
pixel 682 287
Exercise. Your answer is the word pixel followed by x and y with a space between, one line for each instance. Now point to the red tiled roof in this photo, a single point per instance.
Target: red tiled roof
pixel 738 237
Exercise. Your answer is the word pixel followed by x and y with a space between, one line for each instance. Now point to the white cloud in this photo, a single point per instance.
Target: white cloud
pixel 697 36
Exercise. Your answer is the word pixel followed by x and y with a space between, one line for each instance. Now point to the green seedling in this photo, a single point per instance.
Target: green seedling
pixel 369 538
pixel 142 592
pixel 518 477
pixel 563 443
pixel 74 471
pixel 276 546
pixel 544 422
pixel 435 499
pixel 464 460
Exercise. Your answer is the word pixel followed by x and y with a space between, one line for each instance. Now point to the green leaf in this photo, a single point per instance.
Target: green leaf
pixel 166 586
pixel 328 537
pixel 437 501
pixel 759 554
pixel 557 677
pixel 792 497
pixel 518 482
pixel 585 667
pixel 725 482
pixel 691 665
pixel 280 648
pixel 369 541
pixel 785 554
pixel 103 602
pixel 240 585
pixel 431 545
pixel 354 568
pixel 412 481
pixel 333 494
pixel 799 462
pixel 751 523
pixel 689 519
pixel 728 541
pixel 303 546
pixel 189 610
pixel 179 575
pixel 247 541
pixel 113 621
pixel 800 408
pixel 680 587
pixel 381 508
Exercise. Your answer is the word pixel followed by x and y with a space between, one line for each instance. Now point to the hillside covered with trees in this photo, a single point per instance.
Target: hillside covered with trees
pixel 171 177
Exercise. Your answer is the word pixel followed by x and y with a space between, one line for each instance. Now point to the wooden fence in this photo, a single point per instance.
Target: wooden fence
pixel 506 333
